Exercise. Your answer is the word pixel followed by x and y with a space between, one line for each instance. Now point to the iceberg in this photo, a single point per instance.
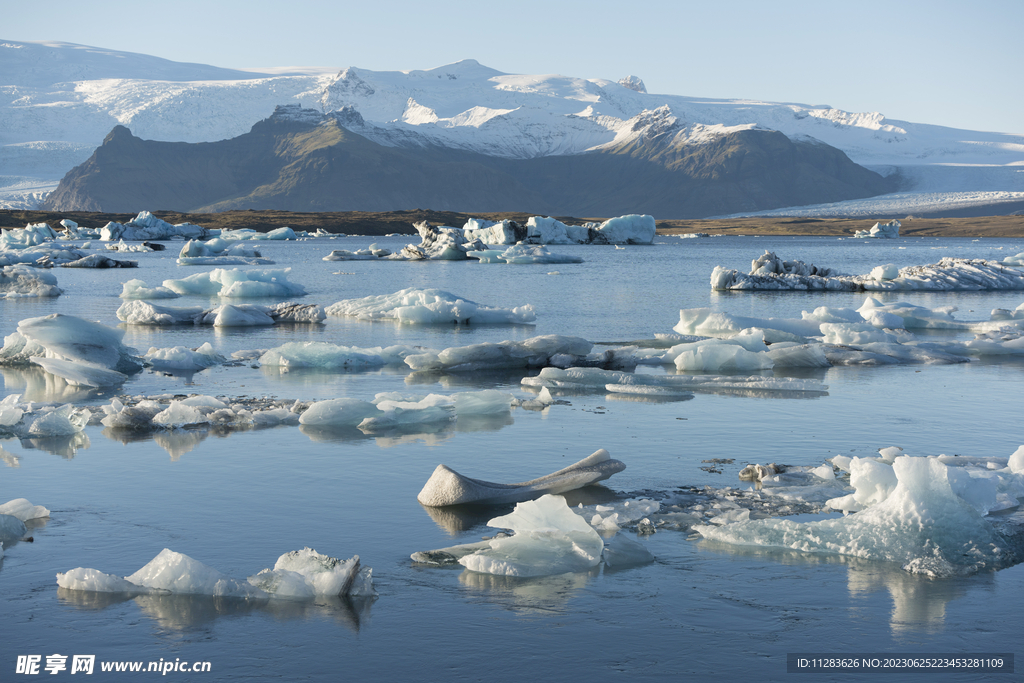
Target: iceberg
pixel 237 283
pixel 228 315
pixel 948 275
pixel 184 359
pixel 328 356
pixel 931 520
pixel 82 352
pixel 11 529
pixel 439 243
pixel 881 230
pixel 22 509
pixel 146 226
pixel 523 253
pixel 63 421
pixel 549 539
pixel 448 487
pixel 631 229
pixel 137 289
pixel 532 352
pixel 390 410
pixel 98 261
pixel 429 306
pixel 20 281
pixel 298 575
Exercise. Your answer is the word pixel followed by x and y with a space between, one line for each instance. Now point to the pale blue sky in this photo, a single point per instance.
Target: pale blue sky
pixel 947 63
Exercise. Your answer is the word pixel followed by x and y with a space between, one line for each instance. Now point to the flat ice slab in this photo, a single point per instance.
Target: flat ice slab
pixel 769 272
pixel 448 487
pixel 429 306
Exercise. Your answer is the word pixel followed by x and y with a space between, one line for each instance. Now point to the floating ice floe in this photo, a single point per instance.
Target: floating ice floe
pixel 298 575
pixel 370 253
pixel 929 514
pixel 228 315
pixel 32 235
pixel 629 382
pixel 98 261
pixel 950 274
pixel 11 529
pixel 238 283
pixel 390 410
pixel 448 487
pixel 1016 260
pixel 532 352
pixel 631 229
pixel 523 253
pixel 123 246
pixel 73 231
pixel 82 352
pixel 137 289
pixel 220 252
pixel 326 356
pixel 184 359
pixel 22 509
pixel 549 539
pixel 44 256
pixel 148 414
pixel 22 282
pixel 439 243
pixel 146 226
pixel 881 230
pixel 430 306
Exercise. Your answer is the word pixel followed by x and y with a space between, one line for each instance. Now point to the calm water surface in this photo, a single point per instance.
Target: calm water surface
pixel 236 502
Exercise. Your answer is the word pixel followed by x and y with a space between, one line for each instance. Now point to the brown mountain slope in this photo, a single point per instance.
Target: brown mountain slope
pixel 313 163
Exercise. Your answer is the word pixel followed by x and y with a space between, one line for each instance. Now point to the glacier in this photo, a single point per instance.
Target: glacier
pixel 465 105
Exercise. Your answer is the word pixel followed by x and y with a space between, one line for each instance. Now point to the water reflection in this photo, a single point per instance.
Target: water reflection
pixel 35 384
pixel 185 612
pixel 64 446
pixel 9 459
pixel 918 602
pixel 541 594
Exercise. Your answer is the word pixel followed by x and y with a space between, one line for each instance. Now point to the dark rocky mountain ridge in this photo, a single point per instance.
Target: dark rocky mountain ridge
pixel 301 160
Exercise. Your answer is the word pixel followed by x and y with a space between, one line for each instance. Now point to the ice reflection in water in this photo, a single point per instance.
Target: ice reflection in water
pixel 540 595
pixel 190 612
pixel 918 602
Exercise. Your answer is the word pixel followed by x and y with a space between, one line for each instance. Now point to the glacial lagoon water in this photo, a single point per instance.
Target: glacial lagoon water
pixel 237 501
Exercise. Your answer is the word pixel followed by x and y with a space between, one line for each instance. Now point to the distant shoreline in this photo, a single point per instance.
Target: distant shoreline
pixel 388 222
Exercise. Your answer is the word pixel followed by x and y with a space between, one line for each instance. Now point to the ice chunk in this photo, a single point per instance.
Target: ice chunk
pixel 178 415
pixel 532 352
pixel 133 418
pixel 66 337
pixel 621 551
pixel 429 306
pixel 705 322
pixel 11 528
pixel 146 313
pixel 723 358
pixel 137 289
pixel 549 539
pixel 525 253
pixel 23 282
pixel 146 226
pixel 82 579
pixel 331 356
pixel 62 421
pixel 301 574
pixel 887 272
pixel 881 230
pixel 322 574
pixel 930 523
pixel 182 358
pixel 23 509
pixel 448 487
pixel 854 333
pixel 337 413
pixel 237 283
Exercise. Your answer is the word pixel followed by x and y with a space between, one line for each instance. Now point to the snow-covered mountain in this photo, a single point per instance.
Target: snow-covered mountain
pixel 58 101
